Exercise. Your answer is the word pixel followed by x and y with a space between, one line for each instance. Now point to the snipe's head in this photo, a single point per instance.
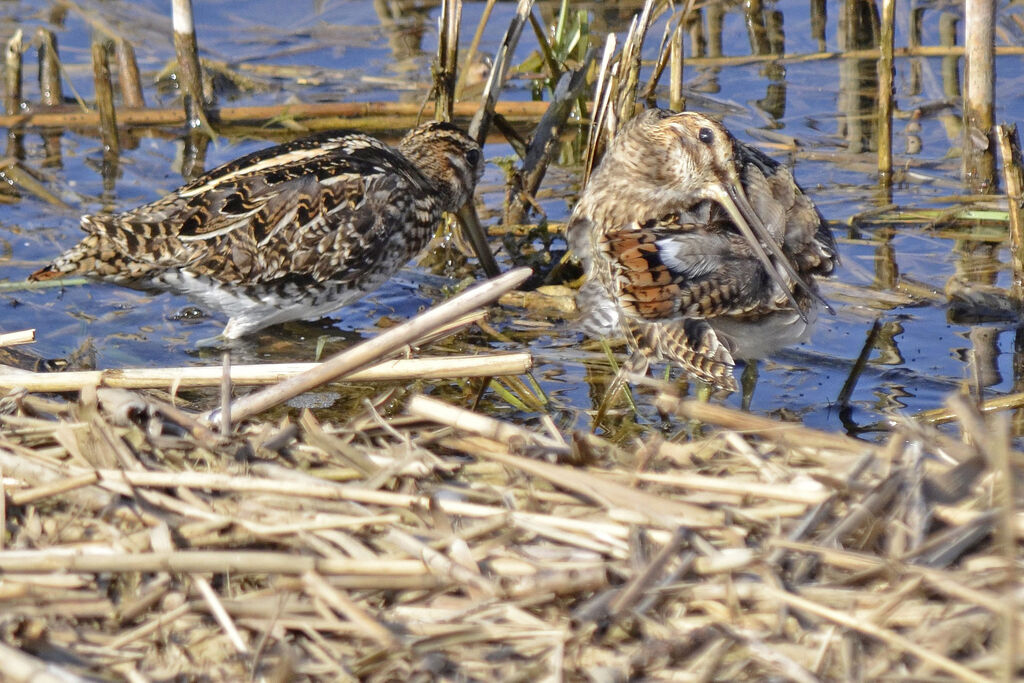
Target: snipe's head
pixel 662 162
pixel 446 156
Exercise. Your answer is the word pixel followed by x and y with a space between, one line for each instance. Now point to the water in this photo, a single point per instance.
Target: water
pixel 351 51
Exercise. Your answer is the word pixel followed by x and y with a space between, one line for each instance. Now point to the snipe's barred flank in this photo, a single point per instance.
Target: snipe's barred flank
pixel 693 242
pixel 290 232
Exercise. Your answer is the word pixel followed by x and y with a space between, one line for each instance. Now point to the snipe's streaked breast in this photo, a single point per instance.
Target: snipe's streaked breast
pixel 290 232
pixel 687 235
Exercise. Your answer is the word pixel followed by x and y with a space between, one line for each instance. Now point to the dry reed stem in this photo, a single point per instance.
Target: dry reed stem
pixel 886 93
pixel 15 338
pixel 365 115
pixel 12 73
pixel 301 557
pixel 1013 180
pixel 888 637
pixel 794 435
pixel 373 350
pixel 489 105
pixel 189 71
pixel 105 97
pixel 51 92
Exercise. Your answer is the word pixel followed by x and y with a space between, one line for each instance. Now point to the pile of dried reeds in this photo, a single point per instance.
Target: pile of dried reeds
pixel 423 540
pixel 436 542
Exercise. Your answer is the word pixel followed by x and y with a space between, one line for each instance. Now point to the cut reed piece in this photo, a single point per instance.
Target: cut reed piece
pixel 446 62
pixel 12 74
pixel 51 92
pixel 979 94
pixel 979 64
pixel 886 94
pixel 379 347
pixel 364 115
pixel 1013 180
pixel 481 123
pixel 189 71
pixel 128 75
pixel 793 435
pixel 105 96
pixel 234 561
pixel 630 64
pixel 20 337
pixel 398 370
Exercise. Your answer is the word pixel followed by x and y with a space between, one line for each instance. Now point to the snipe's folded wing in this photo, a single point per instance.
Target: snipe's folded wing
pixel 663 272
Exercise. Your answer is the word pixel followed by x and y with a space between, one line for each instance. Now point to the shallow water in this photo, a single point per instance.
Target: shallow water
pixel 352 51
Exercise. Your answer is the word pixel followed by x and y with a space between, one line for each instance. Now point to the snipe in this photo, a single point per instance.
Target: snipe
pixel 697 247
pixel 290 232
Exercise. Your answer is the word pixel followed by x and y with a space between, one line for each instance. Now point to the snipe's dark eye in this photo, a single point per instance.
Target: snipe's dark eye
pixel 473 157
pixel 706 135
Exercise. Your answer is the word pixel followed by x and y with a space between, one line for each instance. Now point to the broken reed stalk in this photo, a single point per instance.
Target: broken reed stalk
pixel 676 100
pixel 189 70
pixel 630 63
pixel 225 396
pixel 446 64
pixel 843 400
pixel 545 47
pixel 474 45
pixel 481 123
pixel 664 55
pixel 1013 181
pixel 20 337
pixel 792 434
pixel 397 370
pixel 51 93
pixel 12 74
pixel 198 561
pixel 105 96
pixel 379 347
pixel 599 115
pixel 886 93
pixel 979 93
pixel 128 75
pixel 373 115
pixel 545 142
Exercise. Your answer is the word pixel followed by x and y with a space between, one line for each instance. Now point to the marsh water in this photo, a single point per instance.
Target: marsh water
pixel 811 110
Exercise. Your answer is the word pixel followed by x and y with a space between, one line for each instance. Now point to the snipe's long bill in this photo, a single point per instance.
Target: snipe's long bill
pixel 290 232
pixel 690 240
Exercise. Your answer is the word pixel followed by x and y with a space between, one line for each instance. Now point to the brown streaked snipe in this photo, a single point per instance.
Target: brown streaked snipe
pixel 688 238
pixel 290 232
